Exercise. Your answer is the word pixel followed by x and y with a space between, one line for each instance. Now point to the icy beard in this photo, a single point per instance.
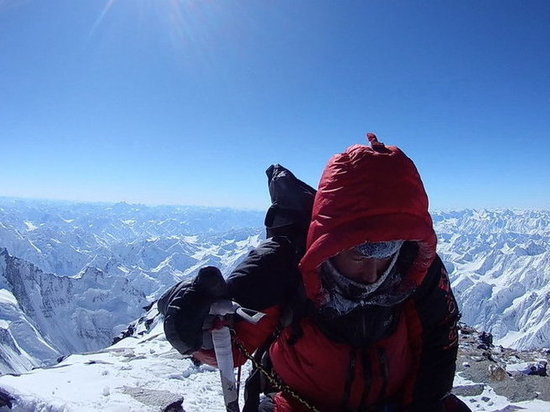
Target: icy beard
pixel 343 295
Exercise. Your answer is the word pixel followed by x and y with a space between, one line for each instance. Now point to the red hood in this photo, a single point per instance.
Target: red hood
pixel 368 194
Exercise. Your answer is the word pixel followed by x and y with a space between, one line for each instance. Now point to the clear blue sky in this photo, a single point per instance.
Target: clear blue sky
pixel 189 101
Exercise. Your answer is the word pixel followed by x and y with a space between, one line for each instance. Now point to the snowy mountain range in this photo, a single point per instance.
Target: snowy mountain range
pixel 64 238
pixel 499 264
pixel 72 276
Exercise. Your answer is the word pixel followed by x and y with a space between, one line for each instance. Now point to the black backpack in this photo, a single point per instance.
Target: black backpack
pixel 269 275
pixel 287 222
pixel 291 206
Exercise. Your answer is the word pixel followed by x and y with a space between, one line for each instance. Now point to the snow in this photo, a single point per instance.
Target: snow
pixel 489 401
pixel 7 297
pixel 509 339
pixel 499 265
pixel 132 375
pixel 123 269
pixel 35 247
pixel 30 226
pixel 191 239
pixel 143 374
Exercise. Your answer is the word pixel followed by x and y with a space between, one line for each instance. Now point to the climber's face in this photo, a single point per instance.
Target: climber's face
pixel 359 268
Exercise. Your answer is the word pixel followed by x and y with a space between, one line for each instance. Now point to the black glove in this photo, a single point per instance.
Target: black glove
pixel 186 307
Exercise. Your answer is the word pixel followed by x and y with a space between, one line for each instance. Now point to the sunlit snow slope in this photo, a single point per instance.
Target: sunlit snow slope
pixel 144 373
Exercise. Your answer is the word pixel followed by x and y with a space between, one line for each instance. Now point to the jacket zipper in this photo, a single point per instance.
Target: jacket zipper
pixel 349 380
pixel 363 321
pixel 385 372
pixel 367 378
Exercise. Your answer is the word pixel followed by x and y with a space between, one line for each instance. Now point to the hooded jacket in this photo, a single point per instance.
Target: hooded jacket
pixel 368 194
pixel 365 194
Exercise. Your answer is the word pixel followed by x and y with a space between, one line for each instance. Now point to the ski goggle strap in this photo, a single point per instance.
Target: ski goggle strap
pixel 379 250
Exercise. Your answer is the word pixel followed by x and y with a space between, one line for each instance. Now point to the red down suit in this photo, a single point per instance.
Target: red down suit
pixel 365 194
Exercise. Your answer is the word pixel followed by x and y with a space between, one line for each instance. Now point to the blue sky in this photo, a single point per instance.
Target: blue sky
pixel 189 101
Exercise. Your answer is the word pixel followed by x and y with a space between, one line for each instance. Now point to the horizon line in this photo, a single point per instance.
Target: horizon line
pixel 240 208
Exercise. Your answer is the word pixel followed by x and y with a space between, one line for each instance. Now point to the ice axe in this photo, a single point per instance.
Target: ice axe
pixel 221 338
pixel 193 310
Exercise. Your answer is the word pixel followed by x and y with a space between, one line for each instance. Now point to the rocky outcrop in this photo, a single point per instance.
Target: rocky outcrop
pixel 514 374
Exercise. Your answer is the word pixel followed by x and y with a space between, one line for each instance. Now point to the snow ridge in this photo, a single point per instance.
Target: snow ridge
pixel 499 264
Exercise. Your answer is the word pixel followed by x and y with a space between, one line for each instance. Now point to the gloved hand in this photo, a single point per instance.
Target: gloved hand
pixel 186 309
